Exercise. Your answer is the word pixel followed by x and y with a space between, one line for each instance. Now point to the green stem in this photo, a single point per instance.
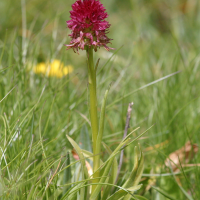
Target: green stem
pixel 93 112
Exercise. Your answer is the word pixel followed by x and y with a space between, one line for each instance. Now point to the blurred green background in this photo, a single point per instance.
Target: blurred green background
pixel 152 39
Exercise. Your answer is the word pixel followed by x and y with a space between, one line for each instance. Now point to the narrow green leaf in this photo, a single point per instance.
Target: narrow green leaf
pixel 7 94
pixel 109 59
pixel 67 174
pixel 140 170
pixel 101 125
pixel 2 53
pixel 40 135
pixel 136 172
pixel 117 150
pixel 83 166
pixel 78 187
pixel 147 85
pixel 32 126
pixel 139 135
pixel 131 178
pixel 71 194
pixel 121 193
pixel 80 154
pixel 138 197
pixel 181 188
pixel 163 193
pixel 115 165
pixel 89 155
pixel 107 166
pixel 104 176
pixel 85 139
pixel 111 179
pixel 117 195
pixel 47 122
pixel 5 68
pixel 185 193
pixel 131 134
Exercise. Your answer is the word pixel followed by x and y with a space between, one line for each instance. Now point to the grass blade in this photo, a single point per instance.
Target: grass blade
pixel 163 193
pixel 83 191
pixel 121 193
pixel 67 174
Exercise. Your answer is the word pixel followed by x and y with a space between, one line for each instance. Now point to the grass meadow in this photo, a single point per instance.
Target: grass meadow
pixel 155 65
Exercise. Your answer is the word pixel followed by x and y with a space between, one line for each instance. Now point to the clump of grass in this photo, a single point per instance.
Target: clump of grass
pixel 36 112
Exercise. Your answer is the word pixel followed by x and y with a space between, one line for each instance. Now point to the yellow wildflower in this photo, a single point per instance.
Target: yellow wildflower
pixel 56 68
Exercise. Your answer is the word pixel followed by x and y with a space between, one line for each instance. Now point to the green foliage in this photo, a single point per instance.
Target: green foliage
pixel 157 68
pixel 108 176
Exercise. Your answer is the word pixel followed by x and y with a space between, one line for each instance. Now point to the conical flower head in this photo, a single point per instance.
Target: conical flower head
pixel 88 25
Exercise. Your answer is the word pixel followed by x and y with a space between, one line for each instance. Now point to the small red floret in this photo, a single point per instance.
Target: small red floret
pixel 88 25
